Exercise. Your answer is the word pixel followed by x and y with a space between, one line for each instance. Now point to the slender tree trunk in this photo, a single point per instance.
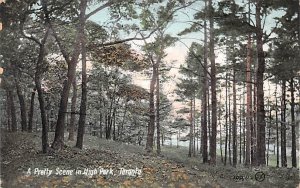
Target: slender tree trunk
pixel 261 124
pixel 208 113
pixel 114 123
pixel 244 127
pixel 283 125
pixel 43 113
pixel 204 97
pixel 234 123
pixel 73 110
pixel 157 111
pixel 22 106
pixel 41 99
pixel 191 130
pixel 229 130
pixel 293 124
pixel 151 125
pixel 194 125
pixel 226 117
pixel 8 111
pixel 83 104
pixel 249 114
pixel 123 119
pixel 14 125
pixel 31 111
pixel 101 125
pixel 213 87
pixel 219 116
pixel 277 128
pixel 269 129
pixel 240 127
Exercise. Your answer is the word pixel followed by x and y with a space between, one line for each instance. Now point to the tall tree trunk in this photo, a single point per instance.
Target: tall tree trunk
pixel 83 104
pixel 114 122
pixel 261 124
pixel 41 99
pixel 208 113
pixel 249 114
pixel 293 124
pixel 213 86
pixel 14 125
pixel 219 117
pixel 191 147
pixel 123 119
pixel 234 123
pixel 253 128
pixel 194 125
pixel 73 110
pixel 43 113
pixel 101 125
pixel 58 142
pixel 269 128
pixel 244 127
pixel 277 128
pixel 204 98
pixel 240 127
pixel 22 106
pixel 157 111
pixel 283 124
pixel 8 111
pixel 31 110
pixel 151 125
pixel 229 130
pixel 226 117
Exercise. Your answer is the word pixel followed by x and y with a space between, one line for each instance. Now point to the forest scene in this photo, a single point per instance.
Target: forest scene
pixel 149 93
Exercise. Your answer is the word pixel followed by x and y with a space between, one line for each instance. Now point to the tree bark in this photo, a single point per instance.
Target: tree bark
pixel 213 86
pixel 58 142
pixel 283 125
pixel 41 99
pixel 219 117
pixel 14 125
pixel 240 126
pixel 203 148
pixel 83 104
pixel 229 130
pixel 151 125
pixel 261 124
pixel 157 110
pixel 293 124
pixel 234 123
pixel 277 128
pixel 31 111
pixel 191 130
pixel 8 111
pixel 123 119
pixel 253 128
pixel 226 117
pixel 249 114
pixel 22 106
pixel 73 110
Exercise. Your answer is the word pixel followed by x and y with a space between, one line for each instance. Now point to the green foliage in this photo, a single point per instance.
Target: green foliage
pixel 190 85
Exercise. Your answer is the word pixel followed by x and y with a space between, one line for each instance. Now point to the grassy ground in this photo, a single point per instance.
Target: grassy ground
pixel 21 151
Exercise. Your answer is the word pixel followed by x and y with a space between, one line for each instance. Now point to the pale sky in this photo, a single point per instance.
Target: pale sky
pixel 175 54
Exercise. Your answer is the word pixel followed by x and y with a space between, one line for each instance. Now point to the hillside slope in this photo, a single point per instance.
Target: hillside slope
pixel 105 163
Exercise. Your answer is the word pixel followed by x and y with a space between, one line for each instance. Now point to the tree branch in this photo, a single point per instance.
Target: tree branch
pixel 109 3
pixel 129 39
pixel 197 58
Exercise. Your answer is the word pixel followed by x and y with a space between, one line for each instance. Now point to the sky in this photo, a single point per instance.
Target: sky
pixel 176 54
